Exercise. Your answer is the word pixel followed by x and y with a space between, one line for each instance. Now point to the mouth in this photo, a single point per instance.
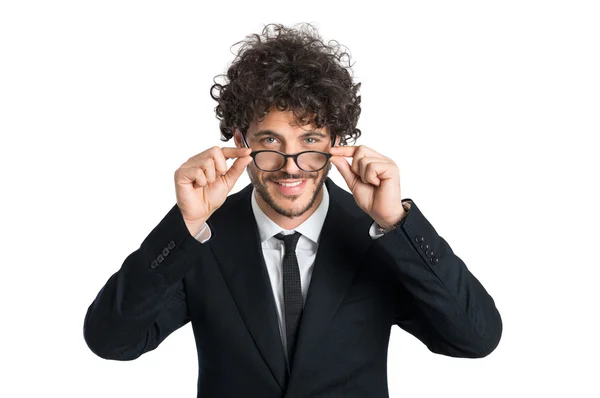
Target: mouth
pixel 289 187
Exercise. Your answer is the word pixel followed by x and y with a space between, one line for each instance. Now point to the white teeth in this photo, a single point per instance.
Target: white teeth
pixel 291 184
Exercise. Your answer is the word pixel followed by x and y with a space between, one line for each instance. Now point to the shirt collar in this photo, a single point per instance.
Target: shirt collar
pixel 310 228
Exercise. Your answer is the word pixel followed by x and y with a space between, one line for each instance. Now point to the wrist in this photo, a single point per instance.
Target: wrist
pixel 194 227
pixel 384 227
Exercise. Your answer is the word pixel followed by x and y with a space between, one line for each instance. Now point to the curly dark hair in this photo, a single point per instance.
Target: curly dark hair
pixel 289 68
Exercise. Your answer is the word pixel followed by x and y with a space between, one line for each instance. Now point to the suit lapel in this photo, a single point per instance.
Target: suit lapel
pixel 235 243
pixel 343 242
pixel 236 246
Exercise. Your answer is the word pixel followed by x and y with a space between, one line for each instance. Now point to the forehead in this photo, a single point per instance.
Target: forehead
pixel 283 124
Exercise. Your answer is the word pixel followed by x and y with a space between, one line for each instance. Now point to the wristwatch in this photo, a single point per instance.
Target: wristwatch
pixel 381 230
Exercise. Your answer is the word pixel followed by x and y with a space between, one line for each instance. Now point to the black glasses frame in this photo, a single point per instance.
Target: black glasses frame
pixel 286 156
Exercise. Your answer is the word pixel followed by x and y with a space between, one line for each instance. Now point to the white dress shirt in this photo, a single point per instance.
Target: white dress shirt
pixel 273 250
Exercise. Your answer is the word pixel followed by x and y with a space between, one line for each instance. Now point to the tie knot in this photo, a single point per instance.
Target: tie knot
pixel 290 240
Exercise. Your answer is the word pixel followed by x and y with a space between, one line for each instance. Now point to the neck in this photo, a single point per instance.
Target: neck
pixel 284 222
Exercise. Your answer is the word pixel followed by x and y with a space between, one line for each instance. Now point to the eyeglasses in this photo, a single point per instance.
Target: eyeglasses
pixel 269 160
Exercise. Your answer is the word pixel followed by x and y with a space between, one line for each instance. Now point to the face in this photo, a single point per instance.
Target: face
pixel 278 131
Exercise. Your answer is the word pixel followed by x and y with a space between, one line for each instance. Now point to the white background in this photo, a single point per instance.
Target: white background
pixel 490 109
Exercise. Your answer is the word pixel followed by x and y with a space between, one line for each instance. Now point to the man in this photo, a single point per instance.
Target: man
pixel 292 284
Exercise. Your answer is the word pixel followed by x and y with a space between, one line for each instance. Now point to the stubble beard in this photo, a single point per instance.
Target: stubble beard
pixel 262 190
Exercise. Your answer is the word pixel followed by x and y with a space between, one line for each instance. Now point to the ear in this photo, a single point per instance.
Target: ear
pixel 337 140
pixel 237 138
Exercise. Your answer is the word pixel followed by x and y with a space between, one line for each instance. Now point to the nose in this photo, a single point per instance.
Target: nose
pixel 291 167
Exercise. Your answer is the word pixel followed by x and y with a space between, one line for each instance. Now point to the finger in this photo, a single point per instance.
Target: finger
pixel 227 152
pixel 236 170
pixel 355 151
pixel 376 171
pixel 220 162
pixel 199 177
pixel 231 153
pixel 215 158
pixel 347 150
pixel 361 167
pixel 212 158
pixel 344 168
pixel 358 165
pixel 188 175
pixel 209 170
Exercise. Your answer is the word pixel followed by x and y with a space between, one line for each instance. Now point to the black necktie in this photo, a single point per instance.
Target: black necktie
pixel 292 290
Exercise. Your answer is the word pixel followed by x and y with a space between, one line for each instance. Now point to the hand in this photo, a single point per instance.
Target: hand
pixel 374 181
pixel 203 183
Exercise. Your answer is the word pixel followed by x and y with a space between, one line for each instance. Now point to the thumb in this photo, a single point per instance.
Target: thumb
pixel 236 170
pixel 344 168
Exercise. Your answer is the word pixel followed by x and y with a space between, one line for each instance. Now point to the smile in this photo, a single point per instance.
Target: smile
pixel 290 184
pixel 290 188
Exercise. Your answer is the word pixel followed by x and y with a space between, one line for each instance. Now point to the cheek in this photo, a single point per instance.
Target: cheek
pixel 261 175
pixel 254 173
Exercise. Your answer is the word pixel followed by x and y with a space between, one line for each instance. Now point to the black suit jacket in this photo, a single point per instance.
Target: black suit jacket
pixel 360 288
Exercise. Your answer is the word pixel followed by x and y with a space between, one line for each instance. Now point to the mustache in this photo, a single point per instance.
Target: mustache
pixel 291 177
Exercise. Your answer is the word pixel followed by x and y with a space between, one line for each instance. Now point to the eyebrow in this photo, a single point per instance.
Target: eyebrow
pixel 274 134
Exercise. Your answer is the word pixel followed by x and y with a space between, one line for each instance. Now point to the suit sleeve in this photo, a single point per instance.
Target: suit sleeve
pixel 144 301
pixel 438 300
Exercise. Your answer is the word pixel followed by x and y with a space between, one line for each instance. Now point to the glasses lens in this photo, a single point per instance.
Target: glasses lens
pixel 269 161
pixel 312 161
pixel 308 161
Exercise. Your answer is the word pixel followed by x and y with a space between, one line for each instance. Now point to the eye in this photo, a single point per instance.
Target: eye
pixel 314 140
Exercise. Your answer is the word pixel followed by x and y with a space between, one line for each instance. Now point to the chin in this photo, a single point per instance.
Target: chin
pixel 293 200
